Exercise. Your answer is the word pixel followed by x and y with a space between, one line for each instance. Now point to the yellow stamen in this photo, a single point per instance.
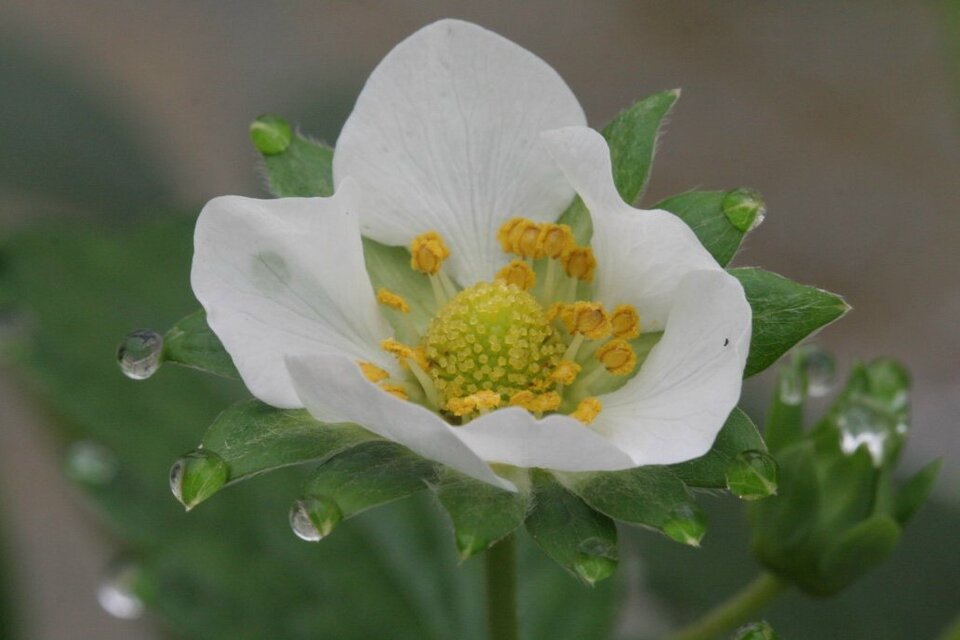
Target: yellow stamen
pixel 587 319
pixel 392 300
pixel 625 322
pixel 481 402
pixel 553 311
pixel 372 372
pixel 395 390
pixel 587 411
pixel 579 263
pixel 536 403
pixel 554 240
pixel 427 252
pixel 519 274
pixel 403 353
pixel 566 372
pixel 519 236
pixel 503 235
pixel 618 357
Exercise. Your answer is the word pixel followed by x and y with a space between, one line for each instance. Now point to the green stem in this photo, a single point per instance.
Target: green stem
pixel 501 561
pixel 736 610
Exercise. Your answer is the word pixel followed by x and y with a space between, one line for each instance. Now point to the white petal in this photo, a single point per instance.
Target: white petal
pixel 285 276
pixel 641 255
pixel 674 407
pixel 445 137
pixel 514 436
pixel 334 391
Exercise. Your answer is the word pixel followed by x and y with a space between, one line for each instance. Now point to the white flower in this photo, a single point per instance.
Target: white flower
pixel 457 133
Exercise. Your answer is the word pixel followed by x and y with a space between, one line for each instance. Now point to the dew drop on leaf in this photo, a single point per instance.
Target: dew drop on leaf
pixel 117 594
pixel 821 370
pixel 139 354
pixel 314 518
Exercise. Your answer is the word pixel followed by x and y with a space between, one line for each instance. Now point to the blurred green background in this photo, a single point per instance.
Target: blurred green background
pixel 118 120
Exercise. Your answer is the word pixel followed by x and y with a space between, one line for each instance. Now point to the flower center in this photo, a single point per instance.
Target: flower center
pixel 492 337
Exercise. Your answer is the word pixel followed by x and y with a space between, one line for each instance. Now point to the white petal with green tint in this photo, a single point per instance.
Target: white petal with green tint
pixel 283 277
pixel 445 137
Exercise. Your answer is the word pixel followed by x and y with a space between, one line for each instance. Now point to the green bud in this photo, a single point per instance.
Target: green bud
pixel 687 525
pixel 753 475
pixel 755 631
pixel 744 208
pixel 596 560
pixel 313 518
pixel 271 135
pixel 196 476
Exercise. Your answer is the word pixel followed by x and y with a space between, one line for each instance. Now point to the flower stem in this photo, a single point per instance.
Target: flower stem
pixel 501 561
pixel 737 609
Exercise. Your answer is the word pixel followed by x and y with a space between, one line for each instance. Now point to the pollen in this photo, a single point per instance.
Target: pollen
pixel 586 318
pixel 536 402
pixel 518 273
pixel 492 337
pixel 404 353
pixel 481 402
pixel 520 236
pixel 579 263
pixel 427 252
pixel 390 299
pixel 395 390
pixel 587 411
pixel 618 357
pixel 372 372
pixel 566 372
pixel 554 240
pixel 625 322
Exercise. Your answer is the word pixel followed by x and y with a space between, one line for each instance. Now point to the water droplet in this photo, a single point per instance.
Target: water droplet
pixel 90 463
pixel 196 476
pixel 271 135
pixel 864 426
pixel 756 631
pixel 790 386
pixel 139 354
pixel 117 594
pixel 820 368
pixel 753 475
pixel 314 518
pixel 468 544
pixel 744 208
pixel 596 559
pixel 688 524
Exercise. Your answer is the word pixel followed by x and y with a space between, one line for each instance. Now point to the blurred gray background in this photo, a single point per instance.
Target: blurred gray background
pixel 843 114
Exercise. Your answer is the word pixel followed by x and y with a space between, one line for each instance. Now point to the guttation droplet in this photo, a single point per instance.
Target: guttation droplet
pixel 139 354
pixel 117 593
pixel 821 370
pixel 790 386
pixel 314 518
pixel 90 463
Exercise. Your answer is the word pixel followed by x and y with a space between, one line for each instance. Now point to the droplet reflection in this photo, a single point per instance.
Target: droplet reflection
pixel 139 354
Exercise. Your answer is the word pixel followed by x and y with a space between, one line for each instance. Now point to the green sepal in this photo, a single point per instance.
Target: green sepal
pixel 755 631
pixel 301 168
pixel 859 549
pixel 575 536
pixel 196 476
pixel 651 496
pixel 481 513
pixel 632 138
pixel 784 313
pixel 253 438
pixel 915 491
pixel 192 343
pixel 369 475
pixel 703 211
pixel 709 471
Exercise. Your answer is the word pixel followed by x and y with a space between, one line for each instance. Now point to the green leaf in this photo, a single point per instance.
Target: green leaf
pixel 915 491
pixel 300 168
pixel 192 343
pixel 481 513
pixel 703 211
pixel 651 496
pixel 784 313
pixel 575 536
pixel 369 475
pixel 253 437
pixel 861 548
pixel 710 470
pixel 632 137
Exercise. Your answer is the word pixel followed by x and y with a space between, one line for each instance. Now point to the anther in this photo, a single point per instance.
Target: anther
pixel 395 390
pixel 566 372
pixel 625 322
pixel 427 253
pixel 403 353
pixel 537 403
pixel 519 274
pixel 390 299
pixel 618 357
pixel 579 263
pixel 372 372
pixel 554 240
pixel 480 402
pixel 587 319
pixel 587 411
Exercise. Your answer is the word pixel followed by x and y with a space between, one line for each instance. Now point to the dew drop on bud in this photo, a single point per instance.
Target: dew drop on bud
pixel 744 208
pixel 756 631
pixel 596 559
pixel 753 475
pixel 117 594
pixel 791 386
pixel 196 476
pixel 90 463
pixel 271 135
pixel 687 524
pixel 314 518
pixel 821 370
pixel 139 354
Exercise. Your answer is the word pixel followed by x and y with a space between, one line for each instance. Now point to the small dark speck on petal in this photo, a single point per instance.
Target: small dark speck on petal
pixel 726 341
